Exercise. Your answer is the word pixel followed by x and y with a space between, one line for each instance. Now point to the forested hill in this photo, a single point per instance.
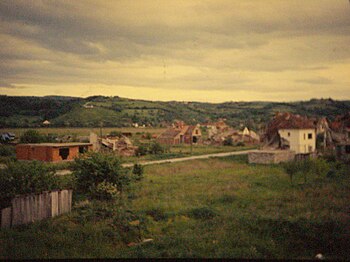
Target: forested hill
pixel 118 112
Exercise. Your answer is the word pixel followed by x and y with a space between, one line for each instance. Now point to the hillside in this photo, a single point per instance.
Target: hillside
pixel 120 112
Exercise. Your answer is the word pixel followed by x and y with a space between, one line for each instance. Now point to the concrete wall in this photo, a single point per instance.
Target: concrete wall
pixel 270 157
pixel 30 208
pixel 298 139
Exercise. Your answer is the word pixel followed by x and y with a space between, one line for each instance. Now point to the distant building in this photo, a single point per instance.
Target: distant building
pixel 51 152
pixel 180 133
pixel 46 123
pixel 87 105
pixel 293 132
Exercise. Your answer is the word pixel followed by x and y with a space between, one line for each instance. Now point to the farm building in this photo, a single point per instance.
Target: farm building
pixel 51 152
pixel 293 132
pixel 180 133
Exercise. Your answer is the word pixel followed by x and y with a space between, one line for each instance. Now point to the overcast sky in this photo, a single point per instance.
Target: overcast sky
pixel 211 50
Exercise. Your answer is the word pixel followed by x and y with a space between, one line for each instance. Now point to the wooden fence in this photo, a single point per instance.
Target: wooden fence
pixel 29 208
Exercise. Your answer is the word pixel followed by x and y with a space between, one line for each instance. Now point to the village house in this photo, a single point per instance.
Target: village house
pixel 180 133
pixel 46 123
pixel 293 132
pixel 51 152
pixel 340 134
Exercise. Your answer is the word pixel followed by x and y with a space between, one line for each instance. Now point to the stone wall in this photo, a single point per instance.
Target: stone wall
pixel 270 156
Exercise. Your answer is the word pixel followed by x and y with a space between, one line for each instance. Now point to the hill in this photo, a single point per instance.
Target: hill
pixel 115 111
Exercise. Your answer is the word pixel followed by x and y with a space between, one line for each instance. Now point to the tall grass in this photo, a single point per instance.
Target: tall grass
pixel 220 207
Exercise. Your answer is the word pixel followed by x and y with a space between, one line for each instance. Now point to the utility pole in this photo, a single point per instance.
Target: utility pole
pixel 101 124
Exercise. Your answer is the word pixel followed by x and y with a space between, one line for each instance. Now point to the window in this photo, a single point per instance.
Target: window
pixel 309 135
pixel 64 153
pixel 288 133
pixel 310 148
pixel 82 149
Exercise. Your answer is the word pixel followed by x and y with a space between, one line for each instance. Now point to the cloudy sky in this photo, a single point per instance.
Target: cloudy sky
pixel 207 50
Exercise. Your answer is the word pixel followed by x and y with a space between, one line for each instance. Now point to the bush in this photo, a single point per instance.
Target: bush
pixel 95 168
pixel 142 150
pixel 228 141
pixel 7 150
pixel 31 136
pixel 106 191
pixel 156 149
pixel 240 144
pixel 138 172
pixel 25 178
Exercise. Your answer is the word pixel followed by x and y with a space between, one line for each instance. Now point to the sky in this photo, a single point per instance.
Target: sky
pixel 207 50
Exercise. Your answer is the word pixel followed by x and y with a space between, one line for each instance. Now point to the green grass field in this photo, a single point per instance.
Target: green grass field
pixel 205 208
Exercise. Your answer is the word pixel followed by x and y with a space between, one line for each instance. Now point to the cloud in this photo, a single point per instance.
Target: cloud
pixel 316 81
pixel 215 46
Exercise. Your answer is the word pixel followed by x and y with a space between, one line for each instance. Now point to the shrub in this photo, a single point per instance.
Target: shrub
pixel 240 144
pixel 138 172
pixel 25 178
pixel 95 168
pixel 106 191
pixel 31 136
pixel 228 141
pixel 142 150
pixel 156 149
pixel 7 150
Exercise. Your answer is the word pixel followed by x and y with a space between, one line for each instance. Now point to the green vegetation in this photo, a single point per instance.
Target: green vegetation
pixel 99 175
pixel 203 208
pixel 25 178
pixel 122 112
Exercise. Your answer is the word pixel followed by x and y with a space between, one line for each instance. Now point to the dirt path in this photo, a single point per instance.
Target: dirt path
pixel 180 159
pixel 173 160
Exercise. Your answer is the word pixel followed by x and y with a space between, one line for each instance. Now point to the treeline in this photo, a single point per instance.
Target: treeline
pixel 123 112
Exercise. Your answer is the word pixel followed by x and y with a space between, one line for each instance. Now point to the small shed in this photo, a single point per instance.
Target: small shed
pixel 51 152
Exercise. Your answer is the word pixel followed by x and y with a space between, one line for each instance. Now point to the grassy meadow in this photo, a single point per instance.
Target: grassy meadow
pixel 219 207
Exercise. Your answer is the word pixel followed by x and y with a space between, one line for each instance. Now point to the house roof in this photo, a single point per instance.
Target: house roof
pixel 342 121
pixel 170 133
pixel 290 121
